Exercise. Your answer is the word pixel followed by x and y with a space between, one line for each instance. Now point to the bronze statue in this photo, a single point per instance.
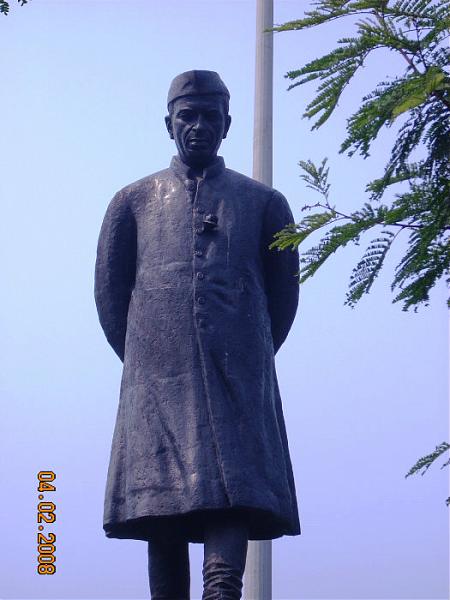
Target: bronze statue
pixel 196 306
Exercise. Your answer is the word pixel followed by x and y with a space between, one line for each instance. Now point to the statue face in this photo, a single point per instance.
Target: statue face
pixel 198 125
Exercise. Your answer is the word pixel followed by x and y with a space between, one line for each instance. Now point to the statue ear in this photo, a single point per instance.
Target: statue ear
pixel 168 121
pixel 227 126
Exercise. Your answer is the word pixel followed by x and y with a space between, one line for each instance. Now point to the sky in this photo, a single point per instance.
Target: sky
pixel 365 391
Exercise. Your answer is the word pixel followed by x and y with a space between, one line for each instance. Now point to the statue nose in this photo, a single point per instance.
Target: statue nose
pixel 200 123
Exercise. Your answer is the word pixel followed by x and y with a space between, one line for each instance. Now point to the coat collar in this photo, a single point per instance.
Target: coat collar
pixel 184 172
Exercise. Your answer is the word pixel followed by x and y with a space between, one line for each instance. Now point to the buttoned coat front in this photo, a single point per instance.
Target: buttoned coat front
pixel 196 306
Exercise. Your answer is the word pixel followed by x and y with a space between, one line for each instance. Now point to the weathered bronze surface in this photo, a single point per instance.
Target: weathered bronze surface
pixel 196 306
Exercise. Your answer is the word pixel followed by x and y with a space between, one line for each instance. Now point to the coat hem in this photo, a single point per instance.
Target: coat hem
pixel 190 526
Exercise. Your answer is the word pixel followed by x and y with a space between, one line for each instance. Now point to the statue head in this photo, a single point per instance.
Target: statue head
pixel 198 118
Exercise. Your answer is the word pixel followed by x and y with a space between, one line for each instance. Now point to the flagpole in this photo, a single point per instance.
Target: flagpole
pixel 258 569
pixel 262 127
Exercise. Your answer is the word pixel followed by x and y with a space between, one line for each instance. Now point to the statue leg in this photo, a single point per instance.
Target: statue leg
pixel 168 569
pixel 226 541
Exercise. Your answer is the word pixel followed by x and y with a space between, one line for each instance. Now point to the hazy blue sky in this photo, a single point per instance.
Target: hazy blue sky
pixel 364 391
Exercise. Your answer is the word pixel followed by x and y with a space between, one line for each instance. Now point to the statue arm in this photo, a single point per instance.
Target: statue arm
pixel 280 270
pixel 115 271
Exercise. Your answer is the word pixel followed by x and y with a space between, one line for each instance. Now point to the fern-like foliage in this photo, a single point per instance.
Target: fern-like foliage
pixel 418 98
pixel 424 463
pixel 419 212
pixel 418 31
pixel 4 6
pixel 369 266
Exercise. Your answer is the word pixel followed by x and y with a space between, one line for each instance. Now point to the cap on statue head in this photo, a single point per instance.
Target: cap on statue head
pixel 195 83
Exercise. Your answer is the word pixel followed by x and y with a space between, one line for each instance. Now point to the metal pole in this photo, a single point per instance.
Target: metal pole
pixel 263 130
pixel 258 569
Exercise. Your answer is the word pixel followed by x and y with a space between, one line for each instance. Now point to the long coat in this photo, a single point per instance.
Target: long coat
pixel 196 306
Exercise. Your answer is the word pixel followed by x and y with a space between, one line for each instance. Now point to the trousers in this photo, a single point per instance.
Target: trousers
pixel 225 553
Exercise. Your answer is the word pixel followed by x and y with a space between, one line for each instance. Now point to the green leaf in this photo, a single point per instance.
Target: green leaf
pixel 420 88
pixel 368 268
pixel 294 235
pixel 424 463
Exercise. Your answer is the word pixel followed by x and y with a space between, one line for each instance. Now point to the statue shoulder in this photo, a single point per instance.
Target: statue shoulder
pixel 269 195
pixel 143 184
pixel 249 182
pixel 132 193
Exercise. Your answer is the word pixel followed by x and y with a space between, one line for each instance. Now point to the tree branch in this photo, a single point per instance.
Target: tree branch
pixel 379 222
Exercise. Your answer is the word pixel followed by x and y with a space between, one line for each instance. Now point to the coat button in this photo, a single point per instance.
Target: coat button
pixel 201 300
pixel 198 252
pixel 200 275
pixel 210 221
